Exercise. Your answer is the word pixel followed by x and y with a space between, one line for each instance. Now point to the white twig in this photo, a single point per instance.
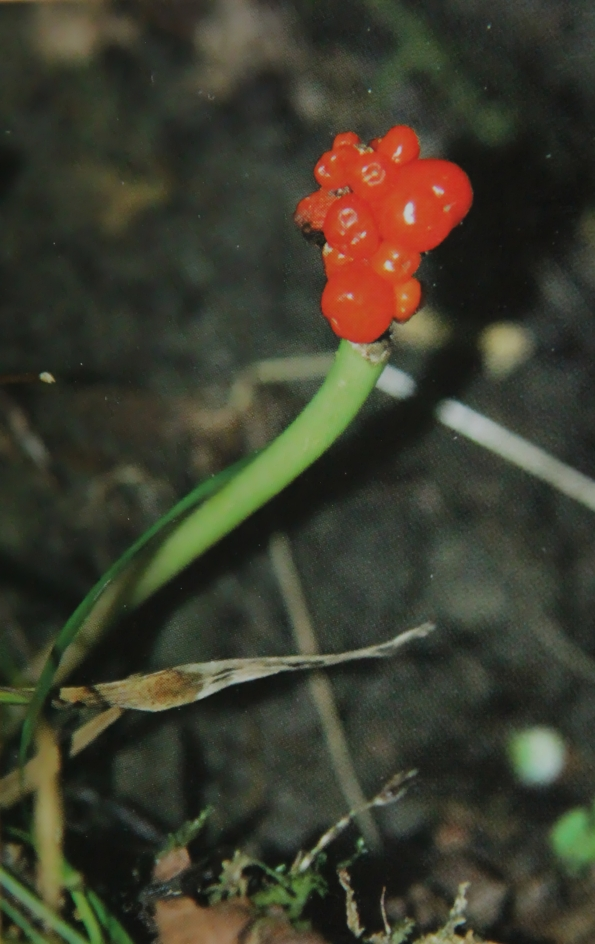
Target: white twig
pixel 499 440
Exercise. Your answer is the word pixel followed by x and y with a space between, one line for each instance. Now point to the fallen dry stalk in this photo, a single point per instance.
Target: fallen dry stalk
pixel 184 684
pixel 172 688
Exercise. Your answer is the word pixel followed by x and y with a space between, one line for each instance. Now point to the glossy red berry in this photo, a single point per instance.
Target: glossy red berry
pixel 400 144
pixel 372 176
pixel 350 227
pixel 310 212
pixel 333 260
pixel 358 303
pixel 332 170
pixel 379 208
pixel 429 198
pixel 394 263
pixel 407 300
pixel 346 137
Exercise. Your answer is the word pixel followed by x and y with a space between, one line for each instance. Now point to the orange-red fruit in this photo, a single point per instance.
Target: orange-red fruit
pixel 333 260
pixel 346 137
pixel 400 144
pixel 429 198
pixel 372 176
pixel 395 263
pixel 311 211
pixel 407 298
pixel 358 303
pixel 350 228
pixel 332 170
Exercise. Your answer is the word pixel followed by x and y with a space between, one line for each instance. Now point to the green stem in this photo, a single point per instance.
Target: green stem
pixel 349 382
pixel 37 908
pixel 215 508
pixel 86 916
pixel 73 882
pixel 21 922
pixel 115 931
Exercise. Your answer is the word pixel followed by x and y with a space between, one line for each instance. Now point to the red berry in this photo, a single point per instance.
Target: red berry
pixel 372 176
pixel 311 212
pixel 400 144
pixel 406 300
pixel 358 303
pixel 374 143
pixel 332 170
pixel 394 263
pixel 346 137
pixel 349 227
pixel 333 260
pixel 429 198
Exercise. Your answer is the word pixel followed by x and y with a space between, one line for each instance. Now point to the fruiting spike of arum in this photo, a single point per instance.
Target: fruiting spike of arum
pixel 360 311
pixel 349 382
pixel 379 207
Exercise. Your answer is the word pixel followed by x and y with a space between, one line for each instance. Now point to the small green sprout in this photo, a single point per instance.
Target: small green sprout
pixel 279 887
pixel 186 833
pixel 291 892
pixel 573 838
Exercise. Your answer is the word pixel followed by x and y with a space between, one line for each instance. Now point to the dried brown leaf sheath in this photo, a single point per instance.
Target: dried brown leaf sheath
pixel 184 684
pixel 182 921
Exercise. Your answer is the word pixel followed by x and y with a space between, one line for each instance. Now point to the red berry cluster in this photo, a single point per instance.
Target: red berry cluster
pixel 379 207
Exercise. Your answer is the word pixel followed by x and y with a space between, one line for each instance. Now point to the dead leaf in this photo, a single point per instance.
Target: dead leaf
pixel 182 921
pixel 185 684
pixel 171 863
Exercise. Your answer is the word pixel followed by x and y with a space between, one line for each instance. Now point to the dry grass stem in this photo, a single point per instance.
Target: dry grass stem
pixel 321 690
pixel 48 820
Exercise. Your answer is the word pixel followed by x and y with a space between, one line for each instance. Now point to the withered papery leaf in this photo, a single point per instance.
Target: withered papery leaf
pixel 184 684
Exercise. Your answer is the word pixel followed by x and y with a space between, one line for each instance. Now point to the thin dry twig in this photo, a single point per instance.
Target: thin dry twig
pixel 20 783
pixel 498 439
pixel 28 441
pixel 351 910
pixel 390 793
pixel 90 731
pixel 321 690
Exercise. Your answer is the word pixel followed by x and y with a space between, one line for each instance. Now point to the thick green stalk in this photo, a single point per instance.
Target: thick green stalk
pixel 223 506
pixel 347 385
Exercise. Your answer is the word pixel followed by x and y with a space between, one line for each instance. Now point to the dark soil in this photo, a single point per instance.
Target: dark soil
pixel 151 156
